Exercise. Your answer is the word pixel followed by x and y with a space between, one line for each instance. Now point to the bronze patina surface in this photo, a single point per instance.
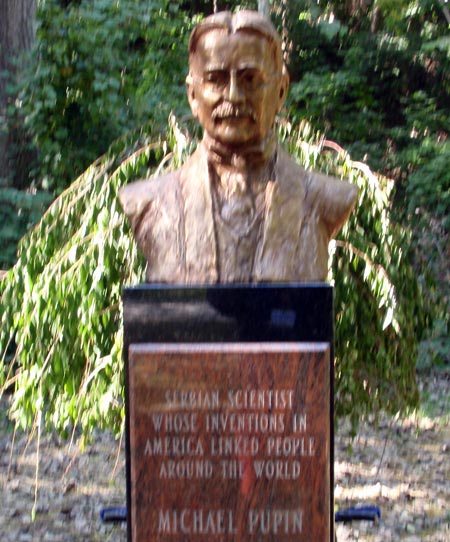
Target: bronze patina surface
pixel 240 209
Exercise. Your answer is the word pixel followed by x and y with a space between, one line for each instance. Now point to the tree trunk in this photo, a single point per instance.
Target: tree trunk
pixel 17 32
pixel 263 7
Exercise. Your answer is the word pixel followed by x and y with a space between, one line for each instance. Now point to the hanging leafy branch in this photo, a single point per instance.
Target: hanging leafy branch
pixel 61 302
pixel 379 312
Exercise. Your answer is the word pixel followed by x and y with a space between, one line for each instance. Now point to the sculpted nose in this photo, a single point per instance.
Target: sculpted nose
pixel 234 91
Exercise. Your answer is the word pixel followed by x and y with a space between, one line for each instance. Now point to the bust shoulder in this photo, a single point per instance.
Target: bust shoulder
pixel 332 199
pixel 137 196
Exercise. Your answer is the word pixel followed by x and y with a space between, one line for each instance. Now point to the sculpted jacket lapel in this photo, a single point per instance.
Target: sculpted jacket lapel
pixel 200 244
pixel 292 234
pixel 295 239
pixel 277 252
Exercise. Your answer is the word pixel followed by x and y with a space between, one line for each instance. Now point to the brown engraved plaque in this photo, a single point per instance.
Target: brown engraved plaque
pixel 230 442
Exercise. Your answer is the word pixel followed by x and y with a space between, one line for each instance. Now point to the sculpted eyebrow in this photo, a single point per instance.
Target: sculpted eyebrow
pixel 215 68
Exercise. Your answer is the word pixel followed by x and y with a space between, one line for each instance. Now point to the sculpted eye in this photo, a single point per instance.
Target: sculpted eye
pixel 251 78
pixel 217 78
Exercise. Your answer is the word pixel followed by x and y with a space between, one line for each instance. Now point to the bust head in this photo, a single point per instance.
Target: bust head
pixel 237 80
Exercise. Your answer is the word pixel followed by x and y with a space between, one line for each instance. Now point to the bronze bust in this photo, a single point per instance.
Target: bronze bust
pixel 240 209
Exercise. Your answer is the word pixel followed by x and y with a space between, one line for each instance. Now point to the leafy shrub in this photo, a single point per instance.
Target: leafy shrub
pixel 379 91
pixel 379 311
pixel 61 302
pixel 428 200
pixel 99 69
pixel 19 211
pixel 376 77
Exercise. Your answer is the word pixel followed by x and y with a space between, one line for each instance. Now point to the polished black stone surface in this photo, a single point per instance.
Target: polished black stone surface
pixel 160 313
pixel 229 313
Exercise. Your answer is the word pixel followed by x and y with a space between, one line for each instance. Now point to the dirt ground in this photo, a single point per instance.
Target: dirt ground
pixel 402 466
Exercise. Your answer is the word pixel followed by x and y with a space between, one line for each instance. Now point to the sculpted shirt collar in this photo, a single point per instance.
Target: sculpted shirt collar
pixel 241 157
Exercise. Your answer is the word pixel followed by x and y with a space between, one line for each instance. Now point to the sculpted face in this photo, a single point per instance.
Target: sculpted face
pixel 234 88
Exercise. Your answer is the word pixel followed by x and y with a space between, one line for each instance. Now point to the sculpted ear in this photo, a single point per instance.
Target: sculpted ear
pixel 191 95
pixel 284 85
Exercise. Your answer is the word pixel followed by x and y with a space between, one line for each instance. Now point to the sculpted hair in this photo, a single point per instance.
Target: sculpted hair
pixel 242 21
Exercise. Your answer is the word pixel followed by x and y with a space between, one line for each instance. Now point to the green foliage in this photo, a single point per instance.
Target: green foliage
pixel 381 90
pixel 99 69
pixel 19 211
pixel 61 302
pixel 378 305
pixel 428 199
pixel 429 186
pixel 376 77
pixel 379 313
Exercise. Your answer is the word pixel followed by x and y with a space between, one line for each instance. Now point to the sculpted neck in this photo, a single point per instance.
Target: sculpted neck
pixel 241 157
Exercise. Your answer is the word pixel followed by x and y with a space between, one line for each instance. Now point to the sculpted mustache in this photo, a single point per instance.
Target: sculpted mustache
pixel 226 109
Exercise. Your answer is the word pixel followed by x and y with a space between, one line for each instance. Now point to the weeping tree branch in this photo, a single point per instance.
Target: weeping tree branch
pixel 445 10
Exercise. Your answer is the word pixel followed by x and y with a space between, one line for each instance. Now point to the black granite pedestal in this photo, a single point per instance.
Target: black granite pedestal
pixel 229 401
